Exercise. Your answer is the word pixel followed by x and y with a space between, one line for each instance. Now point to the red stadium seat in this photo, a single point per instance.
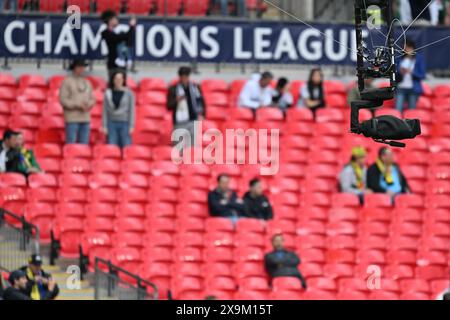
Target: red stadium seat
pixel 103 5
pixel 7 79
pixel 84 5
pixel 139 6
pixel 30 80
pixel 195 7
pixel 254 283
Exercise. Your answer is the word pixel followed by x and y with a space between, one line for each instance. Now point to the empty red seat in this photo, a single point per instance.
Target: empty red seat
pixel 254 283
pixel 286 283
pixel 376 200
pixel 219 224
pixel 8 93
pixel 249 254
pixel 139 6
pixel 195 7
pixel 127 240
pixel 251 295
pixel 383 295
pixel 12 180
pixel 133 180
pixel 399 272
pixel 77 151
pixel 32 80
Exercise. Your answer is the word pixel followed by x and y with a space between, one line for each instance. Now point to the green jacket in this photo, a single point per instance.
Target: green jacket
pixel 27 160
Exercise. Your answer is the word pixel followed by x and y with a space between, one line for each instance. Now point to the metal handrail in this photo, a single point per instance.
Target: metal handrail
pixel 142 284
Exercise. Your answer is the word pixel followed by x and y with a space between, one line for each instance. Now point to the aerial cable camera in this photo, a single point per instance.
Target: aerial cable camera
pixel 378 62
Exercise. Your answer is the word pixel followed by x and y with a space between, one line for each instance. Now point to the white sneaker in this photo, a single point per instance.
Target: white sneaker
pixel 120 63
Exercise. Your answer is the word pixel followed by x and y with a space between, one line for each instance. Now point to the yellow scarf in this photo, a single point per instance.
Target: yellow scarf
pixel 26 157
pixel 35 294
pixel 385 171
pixel 359 175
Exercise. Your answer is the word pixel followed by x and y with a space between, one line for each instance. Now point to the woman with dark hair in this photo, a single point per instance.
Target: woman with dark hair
pixel 312 93
pixel 410 73
pixel 281 97
pixel 118 111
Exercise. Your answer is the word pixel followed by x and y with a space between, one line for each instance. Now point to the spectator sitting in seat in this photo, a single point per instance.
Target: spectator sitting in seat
pixel 17 290
pixel 410 73
pixel 118 111
pixel 256 203
pixel 385 176
pixel 40 284
pixel 9 152
pixel 312 93
pixel 241 7
pixel 185 99
pixel 353 176
pixel 28 163
pixel 223 202
pixel 119 44
pixel 281 262
pixel 77 100
pixel 257 92
pixel 281 97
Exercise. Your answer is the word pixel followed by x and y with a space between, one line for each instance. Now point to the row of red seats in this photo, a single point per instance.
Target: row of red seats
pixel 143 7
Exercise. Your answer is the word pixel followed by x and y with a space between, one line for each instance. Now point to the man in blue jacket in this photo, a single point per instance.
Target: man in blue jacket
pixel 410 73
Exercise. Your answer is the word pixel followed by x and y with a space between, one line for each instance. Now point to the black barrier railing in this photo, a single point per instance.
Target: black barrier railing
pixel 114 283
pixel 18 240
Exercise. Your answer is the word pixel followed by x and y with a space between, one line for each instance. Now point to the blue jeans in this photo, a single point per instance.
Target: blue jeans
pixel 119 133
pixel 241 7
pixel 78 132
pixel 407 95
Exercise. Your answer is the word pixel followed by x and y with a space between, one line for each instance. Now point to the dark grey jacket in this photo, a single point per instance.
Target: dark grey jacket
pixel 284 265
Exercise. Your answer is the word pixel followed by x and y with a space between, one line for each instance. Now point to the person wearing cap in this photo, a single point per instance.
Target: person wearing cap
pixel 282 262
pixel 118 43
pixel 257 93
pixel 185 100
pixel 18 289
pixel 77 99
pixel 9 152
pixel 40 284
pixel 352 178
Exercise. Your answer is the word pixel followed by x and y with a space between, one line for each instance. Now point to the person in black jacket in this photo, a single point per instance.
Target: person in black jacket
pixel 256 203
pixel 223 202
pixel 185 100
pixel 40 284
pixel 116 41
pixel 281 262
pixel 385 176
pixel 9 152
pixel 17 290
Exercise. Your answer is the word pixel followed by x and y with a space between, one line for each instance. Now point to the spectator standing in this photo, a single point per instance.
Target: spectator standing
pixel 185 100
pixel 224 202
pixel 28 163
pixel 119 111
pixel 12 5
pixel 281 262
pixel 17 291
pixel 385 176
pixel 281 96
pixel 240 5
pixel 312 93
pixel 9 152
pixel 353 176
pixel 411 71
pixel 77 99
pixel 256 204
pixel 257 92
pixel 119 44
pixel 40 285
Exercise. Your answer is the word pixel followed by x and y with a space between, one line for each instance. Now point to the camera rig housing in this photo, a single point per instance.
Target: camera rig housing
pixel 379 62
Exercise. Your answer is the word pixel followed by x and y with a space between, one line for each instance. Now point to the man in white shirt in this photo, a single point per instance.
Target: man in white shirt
pixel 257 92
